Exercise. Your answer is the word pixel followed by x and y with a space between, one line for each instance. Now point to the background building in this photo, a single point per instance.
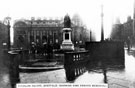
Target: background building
pixel 44 30
pixel 117 31
pixel 124 31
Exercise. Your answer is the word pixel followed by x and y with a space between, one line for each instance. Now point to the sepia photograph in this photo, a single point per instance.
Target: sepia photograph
pixel 86 43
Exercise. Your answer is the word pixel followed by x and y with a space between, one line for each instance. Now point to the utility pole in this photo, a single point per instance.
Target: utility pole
pixel 102 28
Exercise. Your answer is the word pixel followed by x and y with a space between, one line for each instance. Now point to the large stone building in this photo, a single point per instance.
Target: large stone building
pixel 28 31
pixel 117 31
pixel 121 31
pixel 43 30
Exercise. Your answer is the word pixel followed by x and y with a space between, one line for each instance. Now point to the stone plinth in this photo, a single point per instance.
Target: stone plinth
pixel 67 43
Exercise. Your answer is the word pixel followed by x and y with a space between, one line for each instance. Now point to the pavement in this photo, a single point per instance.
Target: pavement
pixel 54 76
pixel 43 72
pixel 41 66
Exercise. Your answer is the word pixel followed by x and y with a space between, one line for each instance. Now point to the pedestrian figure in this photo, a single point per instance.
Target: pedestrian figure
pixel 49 51
pixel 104 69
pixel 44 48
pixel 105 76
pixel 128 43
pixel 38 48
pixel 32 49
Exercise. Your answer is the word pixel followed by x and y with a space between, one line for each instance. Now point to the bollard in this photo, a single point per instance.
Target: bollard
pixel 14 68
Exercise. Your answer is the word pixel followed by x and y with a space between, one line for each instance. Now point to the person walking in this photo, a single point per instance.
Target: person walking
pixel 128 43
pixel 44 48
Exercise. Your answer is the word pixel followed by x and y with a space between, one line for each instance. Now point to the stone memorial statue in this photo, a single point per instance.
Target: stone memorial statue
pixel 67 43
pixel 67 22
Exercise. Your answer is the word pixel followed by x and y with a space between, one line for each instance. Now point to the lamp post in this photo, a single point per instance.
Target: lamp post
pixel 7 20
pixel 90 36
pixel 102 27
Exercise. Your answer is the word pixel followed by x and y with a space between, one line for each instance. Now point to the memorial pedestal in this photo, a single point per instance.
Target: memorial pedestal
pixel 67 43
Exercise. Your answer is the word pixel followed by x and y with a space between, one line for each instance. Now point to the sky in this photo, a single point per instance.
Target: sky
pixel 88 10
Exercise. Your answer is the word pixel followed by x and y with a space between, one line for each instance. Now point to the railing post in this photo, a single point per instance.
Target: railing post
pixel 14 68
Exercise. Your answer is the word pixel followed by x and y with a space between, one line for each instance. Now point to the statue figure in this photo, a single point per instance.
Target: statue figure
pixel 67 22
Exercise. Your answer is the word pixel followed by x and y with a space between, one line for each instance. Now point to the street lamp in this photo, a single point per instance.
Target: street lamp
pixel 90 35
pixel 102 27
pixel 7 22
